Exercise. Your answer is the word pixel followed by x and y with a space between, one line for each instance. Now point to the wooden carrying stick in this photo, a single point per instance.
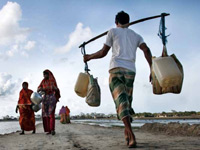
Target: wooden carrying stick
pixel 128 24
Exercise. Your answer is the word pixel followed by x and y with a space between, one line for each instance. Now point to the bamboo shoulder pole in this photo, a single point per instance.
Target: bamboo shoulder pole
pixel 129 24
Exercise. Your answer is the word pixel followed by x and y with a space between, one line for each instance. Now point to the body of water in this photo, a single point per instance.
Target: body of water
pixel 135 123
pixel 13 126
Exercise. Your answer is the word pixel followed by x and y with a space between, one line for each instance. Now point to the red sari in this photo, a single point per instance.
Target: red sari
pixel 67 114
pixel 52 95
pixel 27 117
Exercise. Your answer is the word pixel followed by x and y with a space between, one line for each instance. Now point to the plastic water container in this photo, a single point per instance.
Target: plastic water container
pixel 166 71
pixel 36 98
pixel 82 84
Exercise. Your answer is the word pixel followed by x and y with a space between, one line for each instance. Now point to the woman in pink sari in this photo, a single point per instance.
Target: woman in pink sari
pixel 62 114
pixel 51 97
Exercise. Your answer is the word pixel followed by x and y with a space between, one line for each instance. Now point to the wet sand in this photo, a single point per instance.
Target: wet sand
pixel 85 137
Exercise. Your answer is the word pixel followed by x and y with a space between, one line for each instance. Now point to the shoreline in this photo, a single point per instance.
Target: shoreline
pixel 86 137
pixel 7 127
pixel 169 118
pixel 135 118
pixel 19 130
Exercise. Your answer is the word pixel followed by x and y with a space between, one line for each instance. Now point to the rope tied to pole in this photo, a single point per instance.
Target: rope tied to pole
pixel 84 53
pixel 162 28
pixel 161 33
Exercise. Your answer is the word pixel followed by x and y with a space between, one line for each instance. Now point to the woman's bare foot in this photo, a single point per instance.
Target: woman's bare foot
pixel 33 132
pixel 21 132
pixel 48 133
pixel 53 132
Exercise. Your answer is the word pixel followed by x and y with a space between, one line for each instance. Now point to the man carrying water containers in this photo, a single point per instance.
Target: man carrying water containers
pixel 124 43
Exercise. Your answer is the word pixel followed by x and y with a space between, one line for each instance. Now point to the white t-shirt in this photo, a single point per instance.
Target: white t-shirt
pixel 124 43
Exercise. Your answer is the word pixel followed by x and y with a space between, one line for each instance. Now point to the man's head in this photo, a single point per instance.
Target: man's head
pixel 46 75
pixel 25 85
pixel 122 18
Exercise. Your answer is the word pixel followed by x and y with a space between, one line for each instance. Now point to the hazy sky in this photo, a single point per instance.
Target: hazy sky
pixel 39 35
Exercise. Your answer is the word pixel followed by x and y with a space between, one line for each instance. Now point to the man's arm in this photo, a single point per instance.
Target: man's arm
pixel 99 54
pixel 147 54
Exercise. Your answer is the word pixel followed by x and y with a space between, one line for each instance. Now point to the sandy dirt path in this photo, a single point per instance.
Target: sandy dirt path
pixel 86 137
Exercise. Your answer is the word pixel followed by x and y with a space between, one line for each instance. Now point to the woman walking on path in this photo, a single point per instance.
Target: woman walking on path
pixel 50 98
pixel 62 114
pixel 67 114
pixel 27 116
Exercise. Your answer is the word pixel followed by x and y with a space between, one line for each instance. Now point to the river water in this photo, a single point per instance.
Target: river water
pixel 13 126
pixel 135 123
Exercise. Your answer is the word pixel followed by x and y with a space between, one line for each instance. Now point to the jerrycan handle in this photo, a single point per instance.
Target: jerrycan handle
pixel 164 52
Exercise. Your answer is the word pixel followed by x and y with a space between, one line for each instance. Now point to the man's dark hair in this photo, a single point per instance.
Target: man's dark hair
pixel 122 18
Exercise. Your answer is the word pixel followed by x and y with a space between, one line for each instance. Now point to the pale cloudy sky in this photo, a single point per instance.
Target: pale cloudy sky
pixel 39 35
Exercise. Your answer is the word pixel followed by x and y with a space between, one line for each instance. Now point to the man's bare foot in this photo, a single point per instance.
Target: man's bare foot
pixel 132 141
pixel 126 136
pixel 129 132
pixel 132 146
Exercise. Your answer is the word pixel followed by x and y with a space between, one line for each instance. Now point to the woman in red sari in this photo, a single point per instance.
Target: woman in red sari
pixel 27 117
pixel 67 115
pixel 52 95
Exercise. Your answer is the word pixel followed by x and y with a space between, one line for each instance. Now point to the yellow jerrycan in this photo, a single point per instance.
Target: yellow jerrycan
pixel 167 72
pixel 82 84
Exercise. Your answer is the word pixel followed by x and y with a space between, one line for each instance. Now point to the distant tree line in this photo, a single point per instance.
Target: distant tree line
pixel 168 114
pixel 8 118
pixel 94 115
